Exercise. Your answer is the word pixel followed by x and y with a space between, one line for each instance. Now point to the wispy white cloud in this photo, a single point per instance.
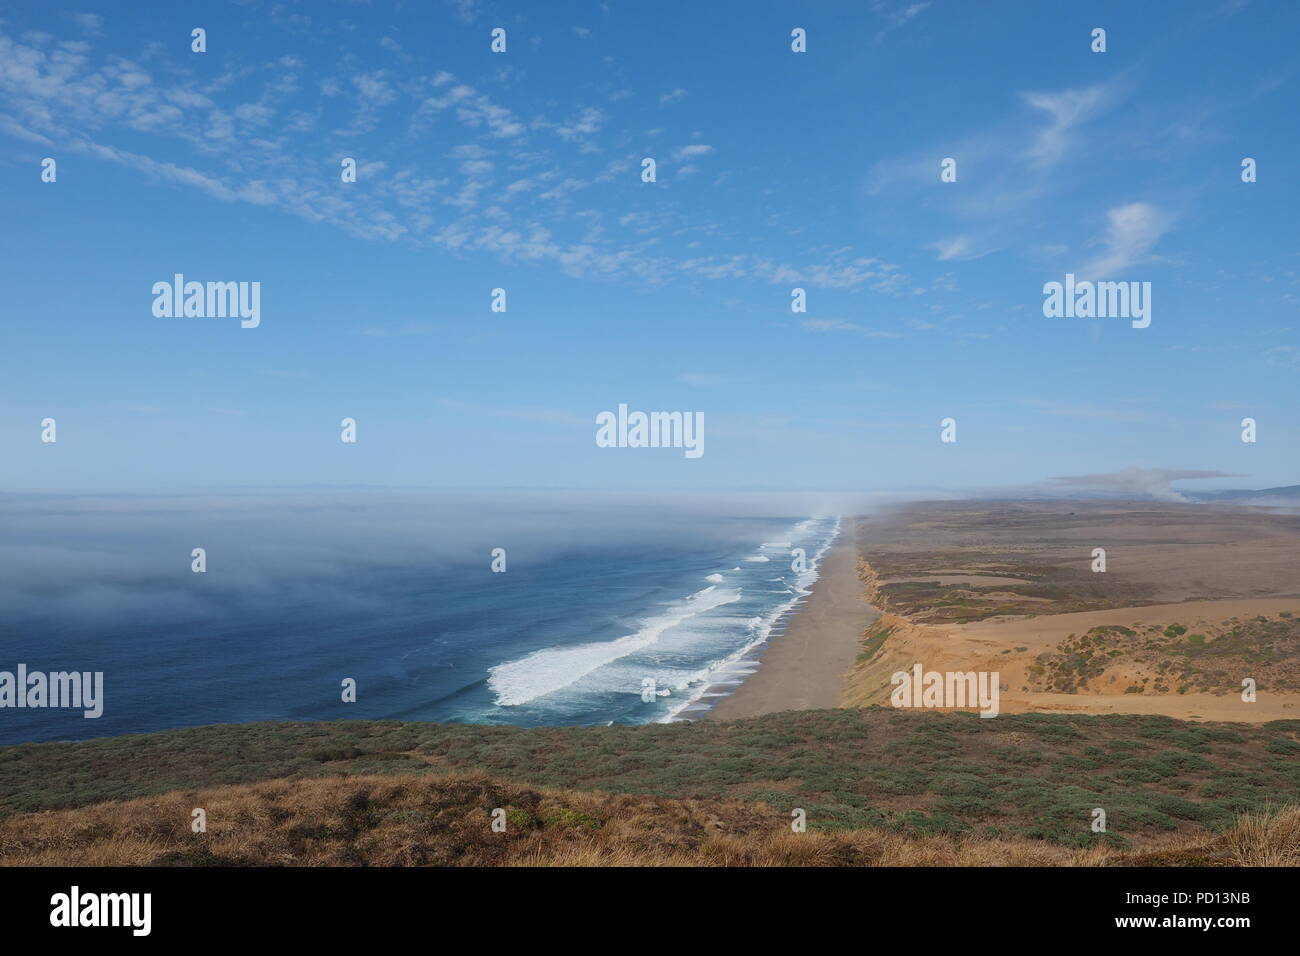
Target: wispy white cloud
pixel 896 15
pixel 959 248
pixel 1131 233
pixel 89 22
pixel 689 152
pixel 507 189
pixel 839 325
pixel 466 11
pixel 900 14
pixel 1066 110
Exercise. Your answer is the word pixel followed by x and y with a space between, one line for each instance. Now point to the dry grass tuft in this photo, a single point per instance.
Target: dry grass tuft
pixel 446 821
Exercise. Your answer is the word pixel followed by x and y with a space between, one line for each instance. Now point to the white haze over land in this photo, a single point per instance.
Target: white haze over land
pixel 1138 482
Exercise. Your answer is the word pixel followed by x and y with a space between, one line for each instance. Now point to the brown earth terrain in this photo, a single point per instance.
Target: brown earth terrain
pixel 1194 600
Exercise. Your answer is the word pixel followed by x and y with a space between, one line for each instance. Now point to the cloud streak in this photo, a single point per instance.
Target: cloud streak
pixel 269 143
pixel 1132 232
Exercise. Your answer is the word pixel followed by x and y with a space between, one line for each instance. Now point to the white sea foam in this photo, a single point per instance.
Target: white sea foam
pixel 760 557
pixel 735 667
pixel 546 671
pixel 714 578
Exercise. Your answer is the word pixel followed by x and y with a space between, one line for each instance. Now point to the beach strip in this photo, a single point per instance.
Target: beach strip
pixel 804 667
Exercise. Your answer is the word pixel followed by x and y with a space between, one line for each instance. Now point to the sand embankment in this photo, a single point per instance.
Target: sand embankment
pixel 1011 646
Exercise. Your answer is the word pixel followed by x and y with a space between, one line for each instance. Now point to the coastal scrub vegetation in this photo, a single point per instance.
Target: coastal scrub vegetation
pixel 950 775
pixel 1168 659
pixel 423 820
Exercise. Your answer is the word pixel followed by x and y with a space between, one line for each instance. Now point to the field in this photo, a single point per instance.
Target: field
pixel 1194 604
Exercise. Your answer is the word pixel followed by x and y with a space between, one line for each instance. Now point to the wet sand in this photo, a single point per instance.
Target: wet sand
pixel 804 668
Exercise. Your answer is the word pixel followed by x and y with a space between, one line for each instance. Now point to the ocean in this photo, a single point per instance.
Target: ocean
pixel 603 615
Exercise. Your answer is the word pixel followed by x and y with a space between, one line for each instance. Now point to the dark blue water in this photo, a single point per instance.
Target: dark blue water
pixel 567 636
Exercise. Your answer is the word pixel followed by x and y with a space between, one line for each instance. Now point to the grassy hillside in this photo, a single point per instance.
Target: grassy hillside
pixel 1030 776
pixel 407 820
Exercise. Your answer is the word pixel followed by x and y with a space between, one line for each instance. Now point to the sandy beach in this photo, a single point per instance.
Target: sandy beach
pixel 804 668
pixel 1195 600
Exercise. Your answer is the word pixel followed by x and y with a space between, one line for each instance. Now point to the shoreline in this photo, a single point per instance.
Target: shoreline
pixel 804 667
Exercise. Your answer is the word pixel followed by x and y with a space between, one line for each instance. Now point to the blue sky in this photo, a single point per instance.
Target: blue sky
pixel 522 170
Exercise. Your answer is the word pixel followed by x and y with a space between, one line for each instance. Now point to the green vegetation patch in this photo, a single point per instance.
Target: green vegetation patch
pixel 1035 775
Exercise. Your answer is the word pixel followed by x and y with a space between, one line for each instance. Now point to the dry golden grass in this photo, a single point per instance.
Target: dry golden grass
pixel 1266 839
pixel 422 820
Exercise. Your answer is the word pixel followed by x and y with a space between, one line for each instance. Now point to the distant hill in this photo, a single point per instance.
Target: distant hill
pixel 1286 492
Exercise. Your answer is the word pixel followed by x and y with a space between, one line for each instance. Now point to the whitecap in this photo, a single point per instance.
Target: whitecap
pixel 546 671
